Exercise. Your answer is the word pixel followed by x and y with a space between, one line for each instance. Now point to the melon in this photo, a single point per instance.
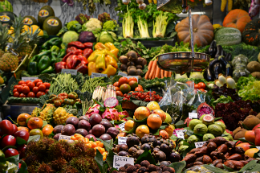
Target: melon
pixel 44 13
pixel 7 17
pixel 6 6
pixel 29 20
pixel 228 36
pixel 52 25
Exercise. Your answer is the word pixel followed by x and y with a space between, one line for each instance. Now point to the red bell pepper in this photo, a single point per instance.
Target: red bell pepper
pixel 71 49
pixel 87 52
pixel 81 58
pixel 78 52
pixel 72 61
pixel 82 68
pixel 88 45
pixel 59 66
pixel 76 44
pixel 64 59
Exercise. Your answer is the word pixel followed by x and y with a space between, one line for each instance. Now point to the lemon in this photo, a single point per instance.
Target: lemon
pixel 153 105
pixel 168 119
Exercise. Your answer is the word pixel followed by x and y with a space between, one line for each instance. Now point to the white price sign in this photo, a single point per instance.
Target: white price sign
pixel 29 78
pixel 193 115
pixel 122 126
pixel 258 147
pixel 180 134
pixel 132 76
pixel 122 140
pixel 120 161
pixel 64 137
pixel 70 71
pixel 93 75
pixel 199 144
pixel 121 74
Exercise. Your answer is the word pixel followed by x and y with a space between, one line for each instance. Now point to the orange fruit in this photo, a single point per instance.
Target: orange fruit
pixel 169 129
pixel 129 125
pixel 250 152
pixel 22 128
pixel 141 113
pixel 35 123
pixel 21 119
pixel 47 130
pixel 244 145
pixel 121 134
pixel 142 130
pixel 153 105
pixel 163 134
pixel 154 121
pixel 250 136
pixel 161 113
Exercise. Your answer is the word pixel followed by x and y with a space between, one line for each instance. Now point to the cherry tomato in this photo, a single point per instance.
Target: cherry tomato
pixel 202 85
pixel 28 81
pixel 21 82
pixel 42 87
pixel 47 85
pixel 20 88
pixel 15 90
pixel 35 89
pixel 132 78
pixel 36 81
pixel 24 84
pixel 31 94
pixel 116 84
pixel 26 89
pixel 147 100
pixel 196 86
pixel 31 85
pixel 16 94
pixel 16 86
pixel 22 95
pixel 38 84
pixel 40 93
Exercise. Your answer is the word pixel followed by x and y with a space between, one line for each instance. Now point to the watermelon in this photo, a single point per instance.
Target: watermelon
pixel 6 6
pixel 228 36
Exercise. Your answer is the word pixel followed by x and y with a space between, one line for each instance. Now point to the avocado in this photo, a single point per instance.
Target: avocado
pixel 52 25
pixel 29 20
pixel 44 13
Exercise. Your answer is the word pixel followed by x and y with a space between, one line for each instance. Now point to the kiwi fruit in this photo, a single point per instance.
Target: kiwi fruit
pixel 251 121
pixel 240 134
pixel 258 115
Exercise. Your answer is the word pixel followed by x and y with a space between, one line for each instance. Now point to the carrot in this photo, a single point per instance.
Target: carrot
pixel 149 69
pixel 162 72
pixel 165 73
pixel 170 74
pixel 157 73
pixel 153 69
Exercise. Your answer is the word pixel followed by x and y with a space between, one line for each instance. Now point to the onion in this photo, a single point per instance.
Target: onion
pixel 211 85
pixel 139 1
pixel 218 83
pixel 142 6
pixel 208 2
pixel 126 2
pixel 231 83
pixel 222 79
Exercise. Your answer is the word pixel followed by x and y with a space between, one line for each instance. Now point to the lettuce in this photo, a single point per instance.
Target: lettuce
pixel 251 91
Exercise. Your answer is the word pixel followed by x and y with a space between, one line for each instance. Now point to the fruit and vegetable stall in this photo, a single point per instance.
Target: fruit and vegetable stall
pixel 93 95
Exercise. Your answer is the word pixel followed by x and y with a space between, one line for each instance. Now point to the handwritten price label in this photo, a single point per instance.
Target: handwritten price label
pixel 121 74
pixel 122 140
pixel 120 161
pixel 122 126
pixel 93 75
pixel 193 115
pixel 29 78
pixel 69 71
pixel 180 134
pixel 64 137
pixel 199 144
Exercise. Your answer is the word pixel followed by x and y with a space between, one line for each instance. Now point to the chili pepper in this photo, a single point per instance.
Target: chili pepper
pixel 91 68
pixel 82 68
pixel 88 45
pixel 101 63
pixel 87 52
pixel 111 61
pixel 66 56
pixel 53 57
pixel 62 53
pixel 71 49
pixel 76 44
pixel 100 46
pixel 44 63
pixel 32 68
pixel 110 71
pixel 63 96
pixel 55 49
pixel 48 70
pixel 71 61
pixel 59 66
pixel 72 95
pixel 69 101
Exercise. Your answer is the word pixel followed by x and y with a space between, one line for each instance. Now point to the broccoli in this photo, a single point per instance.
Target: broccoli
pixel 82 18
pixel 109 25
pixel 104 17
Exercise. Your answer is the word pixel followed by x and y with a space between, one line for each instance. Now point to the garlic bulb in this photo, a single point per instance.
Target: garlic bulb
pixel 218 83
pixel 126 2
pixel 222 79
pixel 231 83
pixel 142 6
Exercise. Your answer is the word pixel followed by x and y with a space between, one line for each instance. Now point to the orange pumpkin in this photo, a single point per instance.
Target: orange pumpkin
pixel 237 19
pixel 203 30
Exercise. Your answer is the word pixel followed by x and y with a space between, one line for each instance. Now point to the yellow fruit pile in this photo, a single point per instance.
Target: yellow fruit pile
pixel 60 116
pixel 32 29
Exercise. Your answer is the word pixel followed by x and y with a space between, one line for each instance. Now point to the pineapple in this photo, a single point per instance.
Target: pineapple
pixel 4 37
pixel 9 62
pixel 1 80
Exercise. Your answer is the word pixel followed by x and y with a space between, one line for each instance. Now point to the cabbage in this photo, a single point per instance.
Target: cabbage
pixel 70 36
pixel 107 36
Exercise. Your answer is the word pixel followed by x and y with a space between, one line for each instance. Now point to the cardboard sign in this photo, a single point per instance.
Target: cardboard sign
pixel 120 161
pixel 121 74
pixel 199 144
pixel 122 140
pixel 180 134
pixel 70 71
pixel 193 115
pixel 29 78
pixel 93 75
pixel 122 126
pixel 64 137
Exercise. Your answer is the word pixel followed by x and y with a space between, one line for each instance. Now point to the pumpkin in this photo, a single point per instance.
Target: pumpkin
pixel 237 19
pixel 251 34
pixel 228 36
pixel 203 31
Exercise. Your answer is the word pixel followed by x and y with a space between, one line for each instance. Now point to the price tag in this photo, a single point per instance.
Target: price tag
pixel 29 78
pixel 93 75
pixel 64 137
pixel 70 71
pixel 122 140
pixel 122 126
pixel 121 74
pixel 193 115
pixel 180 134
pixel 258 147
pixel 120 161
pixel 199 144
pixel 132 76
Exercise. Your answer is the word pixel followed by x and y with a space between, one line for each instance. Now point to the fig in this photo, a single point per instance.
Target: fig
pixel 105 137
pixel 68 129
pixel 89 136
pixel 159 155
pixel 58 129
pixel 83 132
pixel 98 130
pixel 57 136
pixel 107 124
pixel 148 138
pixel 83 124
pixel 113 131
pixel 175 157
pixel 138 153
pixel 123 153
pixel 95 119
pixel 72 120
pixel 122 147
pixel 145 163
pixel 132 150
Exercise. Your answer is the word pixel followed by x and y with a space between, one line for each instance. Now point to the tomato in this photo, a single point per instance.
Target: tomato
pixel 116 84
pixel 47 85
pixel 36 81
pixel 42 87
pixel 28 81
pixel 8 140
pixel 31 94
pixel 117 88
pixel 189 83
pixel 22 134
pixel 31 85
pixel 202 90
pixel 11 152
pixel 122 80
pixel 202 85
pixel 16 94
pixel 140 86
pixel 196 86
pixel 6 127
pixel 15 90
pixel 119 93
pixel 26 89
pixel 21 82
pixel 16 86
pixel 39 94
pixel 38 84
pixel 20 88
pixel 139 89
pixel 22 95
pixel 46 91
pixel 132 78
pixel 35 89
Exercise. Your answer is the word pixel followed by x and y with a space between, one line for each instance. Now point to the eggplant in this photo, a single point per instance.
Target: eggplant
pixel 220 51
pixel 212 48
pixel 207 75
pixel 211 67
pixel 228 70
pixel 218 68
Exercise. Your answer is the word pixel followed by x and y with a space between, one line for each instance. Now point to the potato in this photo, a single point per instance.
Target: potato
pixel 253 66
pixel 256 74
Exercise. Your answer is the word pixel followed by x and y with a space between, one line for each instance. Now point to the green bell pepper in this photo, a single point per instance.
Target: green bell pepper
pixel 62 53
pixel 43 53
pixel 53 57
pixel 33 68
pixel 34 58
pixel 50 69
pixel 44 63
pixel 55 49
pixel 54 41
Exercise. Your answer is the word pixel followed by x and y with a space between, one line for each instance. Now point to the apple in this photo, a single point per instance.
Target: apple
pixel 257 126
pixel 22 134
pixel 8 140
pixel 6 127
pixel 14 128
pixel 21 150
pixel 11 152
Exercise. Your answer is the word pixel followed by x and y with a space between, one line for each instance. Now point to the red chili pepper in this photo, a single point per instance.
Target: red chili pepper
pixel 66 56
pixel 76 44
pixel 71 49
pixel 59 66
pixel 82 68
pixel 88 45
pixel 87 52
pixel 63 96
pixel 72 61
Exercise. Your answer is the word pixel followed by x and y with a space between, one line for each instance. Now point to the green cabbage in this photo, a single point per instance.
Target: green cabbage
pixel 70 36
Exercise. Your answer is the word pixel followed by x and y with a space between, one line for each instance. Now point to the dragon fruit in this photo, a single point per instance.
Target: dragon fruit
pixel 111 102
pixel 111 114
pixel 93 109
pixel 204 108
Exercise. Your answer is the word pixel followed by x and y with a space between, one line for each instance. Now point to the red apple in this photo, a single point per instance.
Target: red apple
pixel 21 151
pixel 22 134
pixel 257 126
pixel 14 128
pixel 11 152
pixel 6 127
pixel 8 140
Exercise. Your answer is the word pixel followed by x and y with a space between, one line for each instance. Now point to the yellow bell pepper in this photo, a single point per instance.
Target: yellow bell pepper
pixel 92 68
pixel 94 55
pixel 101 63
pixel 100 46
pixel 106 52
pixel 110 71
pixel 111 61
pixel 112 48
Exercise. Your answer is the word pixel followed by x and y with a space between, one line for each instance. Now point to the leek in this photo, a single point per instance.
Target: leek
pixel 143 28
pixel 162 20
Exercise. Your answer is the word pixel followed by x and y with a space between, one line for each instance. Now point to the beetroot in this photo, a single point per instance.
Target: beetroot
pixel 111 102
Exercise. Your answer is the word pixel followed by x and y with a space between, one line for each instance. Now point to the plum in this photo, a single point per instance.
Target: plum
pixel 83 132
pixel 89 136
pixel 98 130
pixel 83 124
pixel 106 123
pixel 72 120
pixel 57 136
pixel 68 129
pixel 58 129
pixel 95 119
pixel 105 137
pixel 113 131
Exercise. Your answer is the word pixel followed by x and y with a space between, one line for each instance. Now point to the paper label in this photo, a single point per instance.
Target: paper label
pixel 53 22
pixel 122 126
pixel 43 13
pixel 4 18
pixel 64 137
pixel 193 115
pixel 258 147
pixel 29 78
pixel 132 76
pixel 69 71
pixel 27 21
pixel 93 75
pixel 180 134
pixel 122 140
pixel 120 161
pixel 121 74
pixel 199 144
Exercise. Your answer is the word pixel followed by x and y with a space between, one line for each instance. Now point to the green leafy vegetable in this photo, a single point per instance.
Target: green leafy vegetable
pixel 221 99
pixel 251 91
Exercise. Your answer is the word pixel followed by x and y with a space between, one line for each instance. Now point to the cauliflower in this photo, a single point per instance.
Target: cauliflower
pixel 109 25
pixel 93 25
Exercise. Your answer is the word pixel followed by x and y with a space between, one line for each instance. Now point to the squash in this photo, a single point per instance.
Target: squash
pixel 251 34
pixel 228 36
pixel 237 19
pixel 203 30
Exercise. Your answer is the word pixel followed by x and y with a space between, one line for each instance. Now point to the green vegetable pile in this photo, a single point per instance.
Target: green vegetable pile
pixel 91 84
pixel 249 88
